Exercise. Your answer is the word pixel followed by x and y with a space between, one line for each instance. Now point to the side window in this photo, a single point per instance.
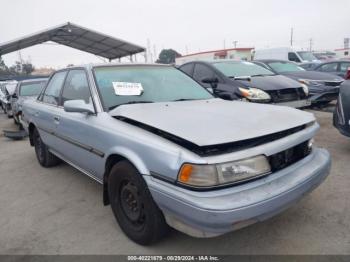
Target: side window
pixel 188 69
pixel 202 71
pixel 76 87
pixel 53 89
pixel 344 67
pixel 331 67
pixel 293 57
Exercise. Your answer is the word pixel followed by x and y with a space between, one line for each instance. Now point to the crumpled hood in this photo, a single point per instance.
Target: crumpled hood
pixel 267 83
pixel 214 121
pixel 313 75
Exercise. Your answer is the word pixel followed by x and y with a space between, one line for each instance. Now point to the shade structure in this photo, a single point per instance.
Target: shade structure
pixel 78 37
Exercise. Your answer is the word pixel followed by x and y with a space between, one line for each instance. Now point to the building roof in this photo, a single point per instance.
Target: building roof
pixel 78 37
pixel 220 51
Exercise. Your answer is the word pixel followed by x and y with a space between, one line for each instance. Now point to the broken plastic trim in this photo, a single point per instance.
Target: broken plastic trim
pixel 211 150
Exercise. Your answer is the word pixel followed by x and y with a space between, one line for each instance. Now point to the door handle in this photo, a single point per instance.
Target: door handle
pixel 36 113
pixel 56 118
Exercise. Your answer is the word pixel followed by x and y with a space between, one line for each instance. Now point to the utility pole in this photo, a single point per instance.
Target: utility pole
pixel 310 44
pixel 291 36
pixel 235 43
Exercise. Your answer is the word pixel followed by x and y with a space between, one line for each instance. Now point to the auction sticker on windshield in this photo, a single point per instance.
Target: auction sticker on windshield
pixel 127 89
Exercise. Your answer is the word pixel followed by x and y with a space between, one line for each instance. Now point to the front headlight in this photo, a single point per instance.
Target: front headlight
pixel 225 173
pixel 309 82
pixel 305 89
pixel 254 94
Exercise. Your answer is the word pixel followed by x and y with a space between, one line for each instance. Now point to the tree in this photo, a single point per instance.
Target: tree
pixel 3 67
pixel 167 56
pixel 25 68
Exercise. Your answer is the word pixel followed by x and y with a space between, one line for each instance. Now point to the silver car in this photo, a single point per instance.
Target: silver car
pixel 26 89
pixel 170 154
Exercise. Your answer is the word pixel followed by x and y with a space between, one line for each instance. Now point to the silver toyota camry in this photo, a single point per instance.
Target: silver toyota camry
pixel 168 153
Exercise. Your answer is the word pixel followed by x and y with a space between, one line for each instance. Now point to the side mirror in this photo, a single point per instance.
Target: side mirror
pixel 78 106
pixel 14 95
pixel 213 81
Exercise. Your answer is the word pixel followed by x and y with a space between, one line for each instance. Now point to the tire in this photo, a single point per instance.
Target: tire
pixel 136 212
pixel 45 158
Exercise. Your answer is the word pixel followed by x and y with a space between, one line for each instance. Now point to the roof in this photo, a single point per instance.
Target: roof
pixel 221 50
pixel 78 37
pixel 35 80
pixel 10 77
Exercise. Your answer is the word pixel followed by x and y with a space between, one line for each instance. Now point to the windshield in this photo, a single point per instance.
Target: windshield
pixel 155 83
pixel 238 69
pixel 308 56
pixel 281 67
pixel 31 89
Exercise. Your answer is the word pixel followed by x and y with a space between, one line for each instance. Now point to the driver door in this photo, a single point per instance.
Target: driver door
pixel 75 130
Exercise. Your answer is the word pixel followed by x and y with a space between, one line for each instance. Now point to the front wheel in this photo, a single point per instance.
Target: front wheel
pixel 133 206
pixel 45 158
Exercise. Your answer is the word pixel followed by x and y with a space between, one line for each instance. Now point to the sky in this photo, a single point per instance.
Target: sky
pixel 187 26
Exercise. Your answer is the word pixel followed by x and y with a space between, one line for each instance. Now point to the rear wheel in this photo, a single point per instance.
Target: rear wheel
pixel 133 206
pixel 45 158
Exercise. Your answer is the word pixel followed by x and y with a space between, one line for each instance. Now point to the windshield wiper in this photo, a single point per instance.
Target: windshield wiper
pixel 183 99
pixel 130 102
pixel 247 78
pixel 263 75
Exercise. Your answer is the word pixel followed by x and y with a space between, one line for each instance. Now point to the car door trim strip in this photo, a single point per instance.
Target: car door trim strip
pixel 74 142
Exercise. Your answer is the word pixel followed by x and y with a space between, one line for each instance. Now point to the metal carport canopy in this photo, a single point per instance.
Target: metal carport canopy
pixel 78 37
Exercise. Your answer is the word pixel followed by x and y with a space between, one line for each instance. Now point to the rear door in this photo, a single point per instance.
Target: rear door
pixel 47 109
pixel 77 140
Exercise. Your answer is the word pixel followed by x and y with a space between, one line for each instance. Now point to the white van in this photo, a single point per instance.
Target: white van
pixel 285 53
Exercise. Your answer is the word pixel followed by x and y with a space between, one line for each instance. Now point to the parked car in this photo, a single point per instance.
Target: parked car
pixel 325 55
pixel 239 79
pixel 338 68
pixel 2 96
pixel 323 87
pixel 341 114
pixel 7 89
pixel 26 89
pixel 168 153
pixel 285 53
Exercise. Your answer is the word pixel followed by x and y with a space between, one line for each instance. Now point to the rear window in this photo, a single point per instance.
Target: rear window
pixel 31 89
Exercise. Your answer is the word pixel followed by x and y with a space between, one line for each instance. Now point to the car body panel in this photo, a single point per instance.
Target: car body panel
pixel 227 118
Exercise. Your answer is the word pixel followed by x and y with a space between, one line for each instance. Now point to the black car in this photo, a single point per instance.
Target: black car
pixel 323 87
pixel 341 115
pixel 245 80
pixel 338 68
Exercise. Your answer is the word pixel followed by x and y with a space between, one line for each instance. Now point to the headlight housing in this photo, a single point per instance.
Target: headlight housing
pixel 305 88
pixel 309 82
pixel 223 173
pixel 255 94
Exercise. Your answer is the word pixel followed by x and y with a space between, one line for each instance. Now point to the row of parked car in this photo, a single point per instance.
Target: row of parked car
pixel 170 152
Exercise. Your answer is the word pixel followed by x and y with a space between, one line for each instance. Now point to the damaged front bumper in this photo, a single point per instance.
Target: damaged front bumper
pixel 212 213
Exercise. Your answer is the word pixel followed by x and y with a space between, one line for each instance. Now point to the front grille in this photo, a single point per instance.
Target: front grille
pixel 288 157
pixel 332 83
pixel 286 95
